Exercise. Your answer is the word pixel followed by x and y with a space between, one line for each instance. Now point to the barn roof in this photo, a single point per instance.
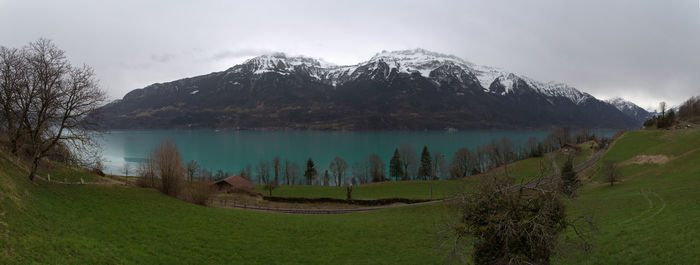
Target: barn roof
pixel 237 182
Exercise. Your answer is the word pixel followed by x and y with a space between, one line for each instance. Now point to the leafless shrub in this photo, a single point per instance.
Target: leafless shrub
pixel 612 172
pixel 169 167
pixel 507 223
pixel 147 173
pixel 338 168
pixel 200 191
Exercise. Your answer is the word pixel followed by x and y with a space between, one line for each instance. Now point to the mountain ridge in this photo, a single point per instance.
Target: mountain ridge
pixel 409 89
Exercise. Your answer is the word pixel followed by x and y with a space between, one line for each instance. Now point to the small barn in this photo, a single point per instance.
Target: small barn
pixel 234 183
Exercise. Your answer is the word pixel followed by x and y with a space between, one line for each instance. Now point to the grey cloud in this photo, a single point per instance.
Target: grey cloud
pixel 163 57
pixel 643 50
pixel 228 54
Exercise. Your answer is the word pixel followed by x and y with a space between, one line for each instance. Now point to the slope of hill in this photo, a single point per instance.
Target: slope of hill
pixel 647 218
pixel 411 89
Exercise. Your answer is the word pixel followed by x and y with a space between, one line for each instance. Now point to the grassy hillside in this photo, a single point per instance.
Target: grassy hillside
pixel 89 224
pixel 649 217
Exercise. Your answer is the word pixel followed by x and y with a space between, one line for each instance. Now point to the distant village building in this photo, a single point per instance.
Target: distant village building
pixel 569 148
pixel 234 183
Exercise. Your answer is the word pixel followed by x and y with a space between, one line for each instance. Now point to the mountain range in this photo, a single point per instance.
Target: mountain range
pixel 397 90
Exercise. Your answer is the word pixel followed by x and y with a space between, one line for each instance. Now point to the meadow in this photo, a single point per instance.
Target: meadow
pixel 649 217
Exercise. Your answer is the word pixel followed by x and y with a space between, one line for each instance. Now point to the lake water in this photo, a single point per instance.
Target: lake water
pixel 232 150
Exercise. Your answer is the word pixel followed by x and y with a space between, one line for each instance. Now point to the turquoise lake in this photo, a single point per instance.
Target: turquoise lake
pixel 232 150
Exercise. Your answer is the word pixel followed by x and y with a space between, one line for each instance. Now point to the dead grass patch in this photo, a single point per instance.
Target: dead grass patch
pixel 646 159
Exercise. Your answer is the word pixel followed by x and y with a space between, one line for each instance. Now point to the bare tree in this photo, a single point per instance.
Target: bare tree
pixel 662 108
pixel 287 173
pixel 512 224
pixel 612 173
pixel 294 173
pixel 460 165
pixel 326 179
pixel 438 165
pixel 263 169
pixel 276 168
pixel 361 171
pixel 506 153
pixel 561 136
pixel 338 168
pixel 126 169
pixel 169 167
pixel 494 153
pixel 46 101
pixel 192 170
pixel 248 172
pixel 532 146
pixel 409 159
pixel 15 93
pixel 481 158
pixel 205 174
pixel 147 172
pixel 377 168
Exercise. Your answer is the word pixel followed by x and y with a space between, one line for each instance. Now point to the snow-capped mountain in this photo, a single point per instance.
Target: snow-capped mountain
pixel 409 89
pixel 630 109
pixel 417 61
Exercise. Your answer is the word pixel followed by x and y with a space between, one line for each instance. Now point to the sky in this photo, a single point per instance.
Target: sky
pixel 645 51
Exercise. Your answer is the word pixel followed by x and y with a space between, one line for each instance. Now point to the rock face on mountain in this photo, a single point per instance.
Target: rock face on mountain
pixel 630 109
pixel 400 90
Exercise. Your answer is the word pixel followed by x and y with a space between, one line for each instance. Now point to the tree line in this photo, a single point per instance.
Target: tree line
pixel 405 163
pixel 689 109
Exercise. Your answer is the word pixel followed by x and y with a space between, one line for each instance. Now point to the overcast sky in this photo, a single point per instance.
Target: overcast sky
pixel 644 51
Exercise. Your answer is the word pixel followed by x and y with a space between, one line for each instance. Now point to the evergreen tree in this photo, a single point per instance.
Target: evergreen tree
pixel 426 164
pixel 310 171
pixel 395 169
pixel 569 181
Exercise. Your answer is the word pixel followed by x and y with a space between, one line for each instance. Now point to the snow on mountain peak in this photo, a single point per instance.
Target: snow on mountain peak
pixel 282 63
pixel 621 104
pixel 408 61
pixel 418 60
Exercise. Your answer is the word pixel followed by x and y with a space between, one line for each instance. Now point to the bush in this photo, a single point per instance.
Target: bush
pixel 506 223
pixel 200 191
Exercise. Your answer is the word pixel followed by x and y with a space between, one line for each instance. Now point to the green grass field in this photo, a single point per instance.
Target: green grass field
pixel 648 218
pixel 90 224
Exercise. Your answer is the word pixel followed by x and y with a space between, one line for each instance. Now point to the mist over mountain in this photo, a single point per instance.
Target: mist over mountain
pixel 396 90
